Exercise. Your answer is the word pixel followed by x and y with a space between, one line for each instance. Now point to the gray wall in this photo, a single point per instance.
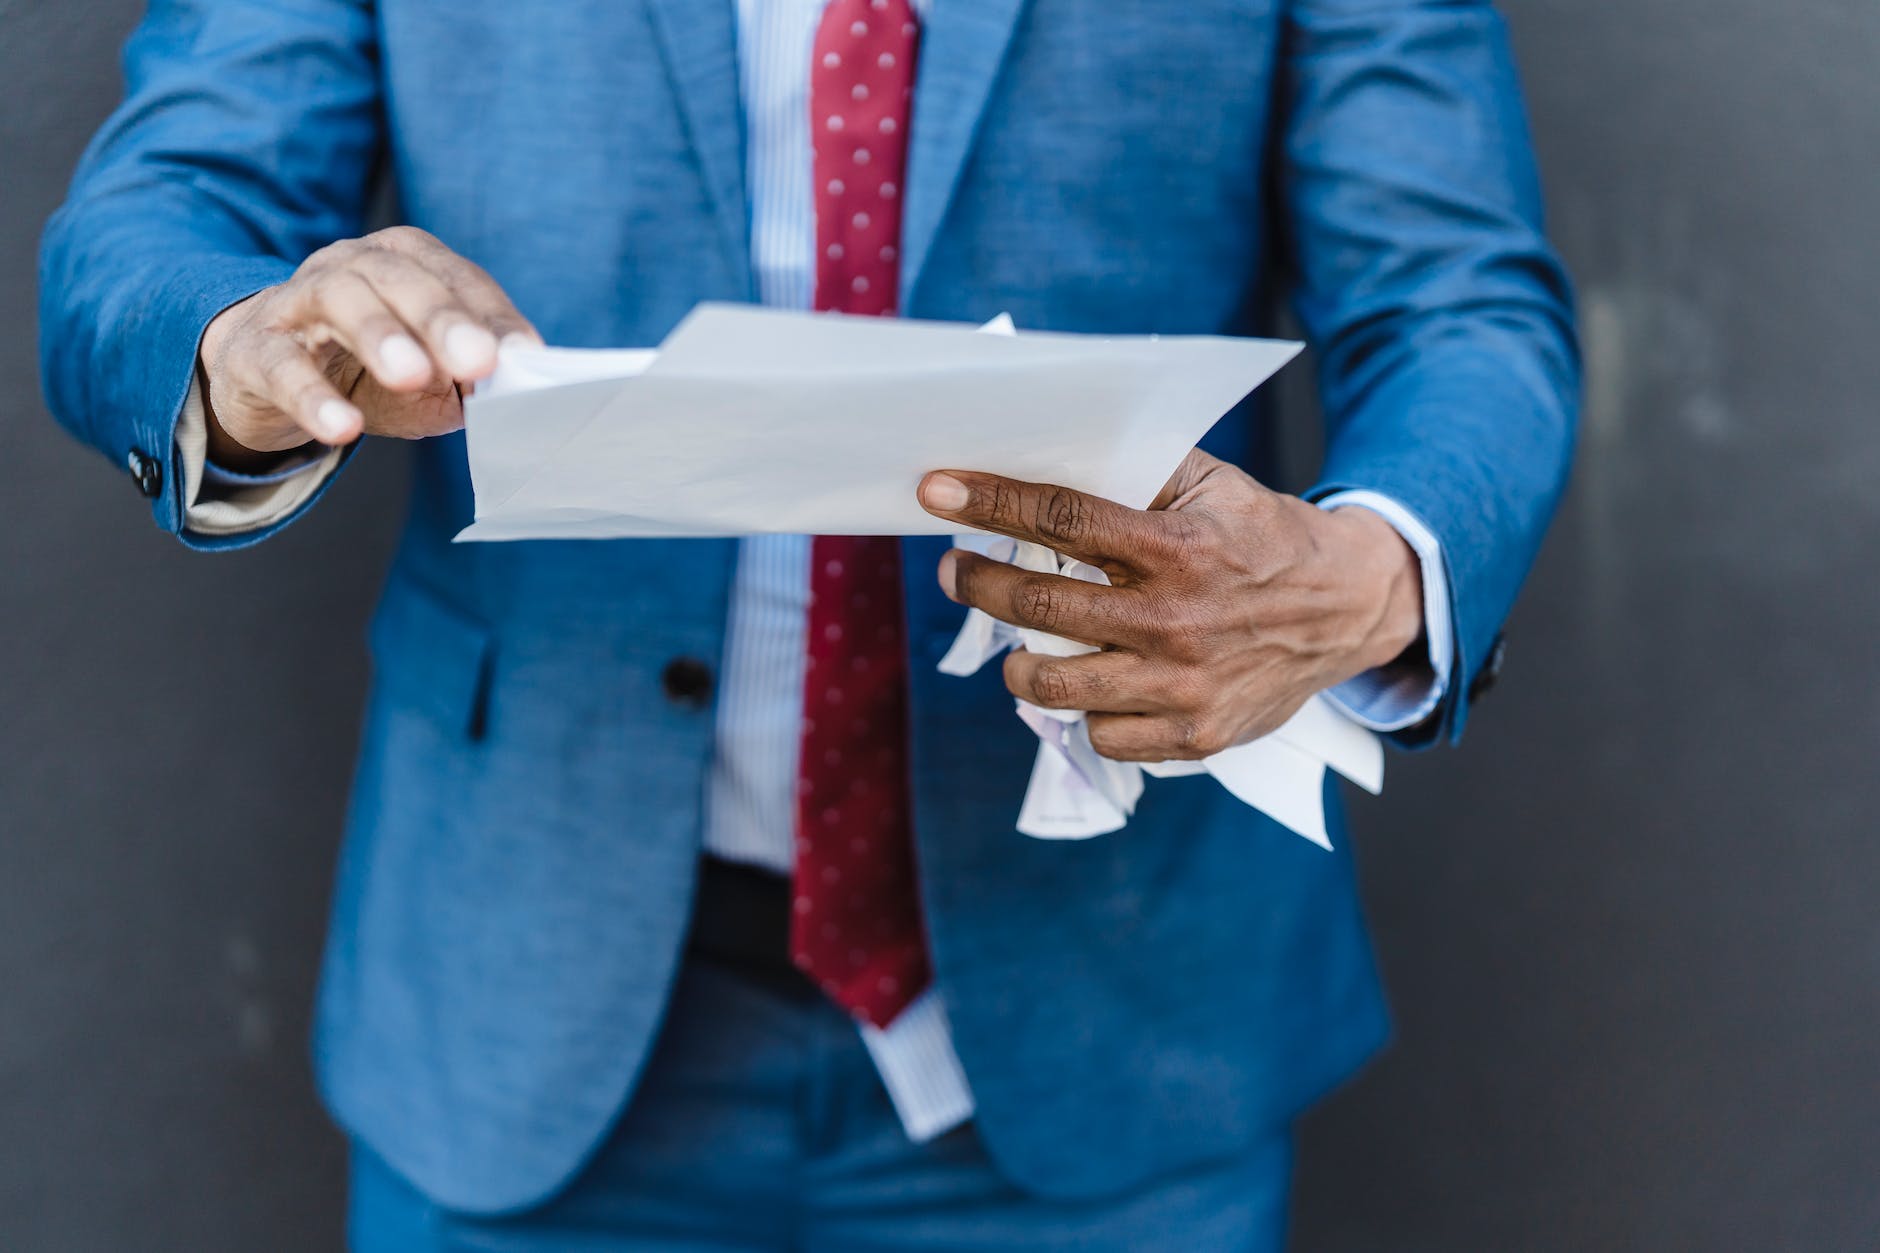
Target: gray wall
pixel 1629 928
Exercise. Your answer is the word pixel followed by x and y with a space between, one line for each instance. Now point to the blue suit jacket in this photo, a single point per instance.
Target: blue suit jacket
pixel 526 819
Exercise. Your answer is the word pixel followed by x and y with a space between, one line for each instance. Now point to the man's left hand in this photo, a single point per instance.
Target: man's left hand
pixel 1229 604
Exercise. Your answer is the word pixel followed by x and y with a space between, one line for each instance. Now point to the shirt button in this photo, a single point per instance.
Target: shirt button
pixel 688 682
pixel 146 472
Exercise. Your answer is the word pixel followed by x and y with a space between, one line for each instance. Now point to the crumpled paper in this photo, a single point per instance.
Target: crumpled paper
pixel 1076 793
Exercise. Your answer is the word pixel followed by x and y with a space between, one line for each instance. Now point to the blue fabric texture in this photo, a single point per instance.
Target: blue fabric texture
pixel 762 1125
pixel 524 828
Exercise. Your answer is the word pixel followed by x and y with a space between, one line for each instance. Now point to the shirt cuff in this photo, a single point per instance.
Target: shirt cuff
pixel 1405 692
pixel 222 502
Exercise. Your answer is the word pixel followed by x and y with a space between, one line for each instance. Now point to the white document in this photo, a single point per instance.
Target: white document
pixel 750 420
pixel 1076 793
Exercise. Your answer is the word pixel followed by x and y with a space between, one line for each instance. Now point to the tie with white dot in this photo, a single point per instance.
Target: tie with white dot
pixel 856 928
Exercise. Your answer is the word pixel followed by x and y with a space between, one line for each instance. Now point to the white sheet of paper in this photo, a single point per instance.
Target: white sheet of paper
pixel 750 420
pixel 1281 782
pixel 1320 731
pixel 1058 805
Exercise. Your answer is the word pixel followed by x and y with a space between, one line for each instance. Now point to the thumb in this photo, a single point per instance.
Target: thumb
pixel 436 410
pixel 1196 467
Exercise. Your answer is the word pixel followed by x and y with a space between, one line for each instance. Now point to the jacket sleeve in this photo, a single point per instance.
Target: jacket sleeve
pixel 246 140
pixel 1442 319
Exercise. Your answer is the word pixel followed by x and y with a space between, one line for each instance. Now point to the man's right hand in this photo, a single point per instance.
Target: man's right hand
pixel 370 335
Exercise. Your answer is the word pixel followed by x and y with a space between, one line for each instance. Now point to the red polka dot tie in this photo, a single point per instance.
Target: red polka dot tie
pixel 856 929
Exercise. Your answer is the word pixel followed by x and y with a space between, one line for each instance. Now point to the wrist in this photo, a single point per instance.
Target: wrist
pixel 1388 580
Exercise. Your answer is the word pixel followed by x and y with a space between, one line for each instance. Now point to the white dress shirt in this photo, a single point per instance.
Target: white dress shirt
pixel 749 814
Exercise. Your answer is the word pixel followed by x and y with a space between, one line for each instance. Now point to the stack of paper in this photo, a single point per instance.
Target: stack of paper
pixel 750 420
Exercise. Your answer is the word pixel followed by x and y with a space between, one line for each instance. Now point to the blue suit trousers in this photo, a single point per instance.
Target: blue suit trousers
pixel 761 1124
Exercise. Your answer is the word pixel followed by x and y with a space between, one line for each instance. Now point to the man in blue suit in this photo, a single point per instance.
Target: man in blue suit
pixel 617 960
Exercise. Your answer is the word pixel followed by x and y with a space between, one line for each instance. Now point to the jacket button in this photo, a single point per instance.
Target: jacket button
pixel 688 682
pixel 146 472
pixel 1491 669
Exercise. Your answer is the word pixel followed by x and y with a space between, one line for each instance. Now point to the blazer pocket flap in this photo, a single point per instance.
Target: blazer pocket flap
pixel 429 655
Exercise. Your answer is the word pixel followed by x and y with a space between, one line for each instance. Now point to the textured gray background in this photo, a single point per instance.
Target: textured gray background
pixel 1629 929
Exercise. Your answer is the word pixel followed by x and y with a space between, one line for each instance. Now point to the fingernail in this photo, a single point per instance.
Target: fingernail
pixel 471 349
pixel 521 339
pixel 401 358
pixel 335 419
pixel 944 492
pixel 949 561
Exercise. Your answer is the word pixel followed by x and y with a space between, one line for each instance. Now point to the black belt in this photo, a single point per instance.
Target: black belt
pixel 741 919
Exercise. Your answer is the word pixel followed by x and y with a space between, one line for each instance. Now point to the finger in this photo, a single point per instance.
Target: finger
pixel 1089 528
pixel 1116 681
pixel 482 295
pixel 1149 737
pixel 286 376
pixel 489 303
pixel 437 410
pixel 458 344
pixel 353 313
pixel 1088 612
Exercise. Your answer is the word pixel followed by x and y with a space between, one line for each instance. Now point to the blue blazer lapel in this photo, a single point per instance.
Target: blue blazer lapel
pixel 962 45
pixel 698 39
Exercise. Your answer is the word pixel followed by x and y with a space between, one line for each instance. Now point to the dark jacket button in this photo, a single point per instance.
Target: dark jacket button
pixel 146 472
pixel 688 682
pixel 1486 677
